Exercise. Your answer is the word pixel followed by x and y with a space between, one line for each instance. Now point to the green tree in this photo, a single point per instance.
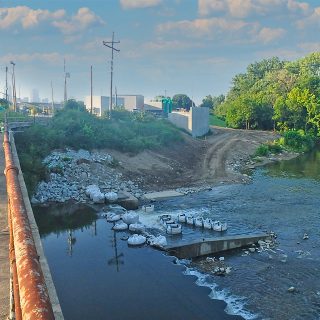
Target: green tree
pixel 4 104
pixel 181 101
pixel 72 104
pixel 212 102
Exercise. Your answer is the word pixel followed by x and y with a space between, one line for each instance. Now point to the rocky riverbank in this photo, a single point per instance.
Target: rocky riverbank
pixel 71 172
pixel 188 167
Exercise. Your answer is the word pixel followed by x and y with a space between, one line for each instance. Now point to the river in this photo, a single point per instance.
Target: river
pixel 96 274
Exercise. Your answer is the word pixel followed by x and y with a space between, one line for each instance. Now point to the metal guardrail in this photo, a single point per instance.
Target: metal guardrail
pixel 31 298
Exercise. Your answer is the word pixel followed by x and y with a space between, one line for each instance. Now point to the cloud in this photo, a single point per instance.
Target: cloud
pixel 312 19
pixel 243 8
pixel 200 27
pixel 267 35
pixel 49 57
pixel 229 29
pixel 80 21
pixel 207 6
pixel 133 4
pixel 26 16
pixel 294 5
pixel 29 18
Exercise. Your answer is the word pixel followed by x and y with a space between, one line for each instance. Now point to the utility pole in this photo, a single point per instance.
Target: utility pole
pixel 52 103
pixel 110 44
pixel 91 107
pixel 66 75
pixel 14 96
pixel 6 83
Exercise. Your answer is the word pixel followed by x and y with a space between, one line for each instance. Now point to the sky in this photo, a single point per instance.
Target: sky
pixel 194 47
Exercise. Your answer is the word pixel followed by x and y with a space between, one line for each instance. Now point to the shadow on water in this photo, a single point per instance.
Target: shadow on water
pixel 98 276
pixel 60 218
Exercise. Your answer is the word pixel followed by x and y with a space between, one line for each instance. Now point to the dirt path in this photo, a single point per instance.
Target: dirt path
pixel 195 162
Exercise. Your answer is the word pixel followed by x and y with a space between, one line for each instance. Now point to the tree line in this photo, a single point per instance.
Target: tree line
pixel 273 94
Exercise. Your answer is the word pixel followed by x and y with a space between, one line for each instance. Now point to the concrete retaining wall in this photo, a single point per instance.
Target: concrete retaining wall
pixel 196 121
pixel 200 121
pixel 181 120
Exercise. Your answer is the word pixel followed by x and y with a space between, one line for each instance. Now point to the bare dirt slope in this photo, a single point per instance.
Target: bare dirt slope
pixel 194 162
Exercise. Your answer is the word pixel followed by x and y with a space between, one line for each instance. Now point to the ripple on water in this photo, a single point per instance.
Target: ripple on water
pixel 288 206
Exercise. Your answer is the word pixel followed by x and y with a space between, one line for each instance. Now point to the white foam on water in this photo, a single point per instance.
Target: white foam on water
pixel 235 304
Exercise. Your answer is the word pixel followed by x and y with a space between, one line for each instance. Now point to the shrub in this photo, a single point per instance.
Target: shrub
pixel 274 147
pixel 126 132
pixel 297 141
pixel 262 151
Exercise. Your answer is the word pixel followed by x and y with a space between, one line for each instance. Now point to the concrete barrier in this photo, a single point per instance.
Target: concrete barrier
pixel 205 247
pixel 162 195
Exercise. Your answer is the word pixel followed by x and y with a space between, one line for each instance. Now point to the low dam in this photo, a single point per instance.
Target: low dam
pixel 207 246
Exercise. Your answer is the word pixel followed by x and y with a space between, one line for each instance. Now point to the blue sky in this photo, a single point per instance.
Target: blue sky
pixel 174 46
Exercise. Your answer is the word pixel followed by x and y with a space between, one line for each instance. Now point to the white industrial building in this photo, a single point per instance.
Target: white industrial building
pixel 100 104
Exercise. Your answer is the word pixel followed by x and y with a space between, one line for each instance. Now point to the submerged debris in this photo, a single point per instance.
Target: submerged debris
pixel 292 289
pixel 214 266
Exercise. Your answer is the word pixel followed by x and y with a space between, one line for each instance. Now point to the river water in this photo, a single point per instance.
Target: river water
pixel 283 197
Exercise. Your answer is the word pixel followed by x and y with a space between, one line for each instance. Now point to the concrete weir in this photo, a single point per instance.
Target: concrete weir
pixel 208 246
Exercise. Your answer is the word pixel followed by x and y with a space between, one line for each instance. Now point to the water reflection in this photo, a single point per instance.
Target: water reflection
pixel 304 166
pixel 117 257
pixel 60 218
pixel 106 278
pixel 71 242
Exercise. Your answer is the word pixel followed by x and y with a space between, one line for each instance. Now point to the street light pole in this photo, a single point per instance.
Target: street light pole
pixel 14 87
pixel 110 44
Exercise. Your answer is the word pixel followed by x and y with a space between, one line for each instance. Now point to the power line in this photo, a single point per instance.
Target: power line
pixel 110 44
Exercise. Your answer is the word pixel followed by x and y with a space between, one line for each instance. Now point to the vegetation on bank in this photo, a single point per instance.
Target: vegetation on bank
pixel 294 141
pixel 215 121
pixel 126 132
pixel 275 94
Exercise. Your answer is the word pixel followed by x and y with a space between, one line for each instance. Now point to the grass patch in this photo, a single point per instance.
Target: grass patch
pixel 215 121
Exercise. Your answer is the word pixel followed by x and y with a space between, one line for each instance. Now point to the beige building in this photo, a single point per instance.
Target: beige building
pixel 100 104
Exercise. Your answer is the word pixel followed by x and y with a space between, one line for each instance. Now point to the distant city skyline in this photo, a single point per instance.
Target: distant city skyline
pixel 166 46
